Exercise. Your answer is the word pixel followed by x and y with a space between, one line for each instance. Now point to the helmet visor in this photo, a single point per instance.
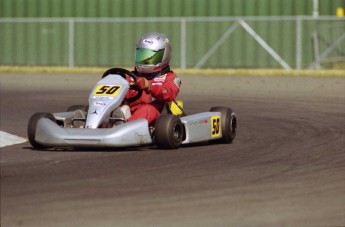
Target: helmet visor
pixel 148 57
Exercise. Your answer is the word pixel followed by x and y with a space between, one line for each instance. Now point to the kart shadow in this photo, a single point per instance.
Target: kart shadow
pixel 90 149
pixel 120 149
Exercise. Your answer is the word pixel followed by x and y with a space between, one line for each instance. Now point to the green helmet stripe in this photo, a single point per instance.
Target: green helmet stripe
pixel 148 57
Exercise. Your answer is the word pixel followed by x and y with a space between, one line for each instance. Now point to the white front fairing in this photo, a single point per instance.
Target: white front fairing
pixel 105 97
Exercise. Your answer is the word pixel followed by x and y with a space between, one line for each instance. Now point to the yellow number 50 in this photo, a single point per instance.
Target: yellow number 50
pixel 106 90
pixel 215 126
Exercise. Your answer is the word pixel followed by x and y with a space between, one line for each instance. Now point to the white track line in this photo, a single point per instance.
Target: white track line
pixel 7 139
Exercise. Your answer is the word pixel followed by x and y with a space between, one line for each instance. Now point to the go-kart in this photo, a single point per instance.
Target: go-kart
pixel 96 125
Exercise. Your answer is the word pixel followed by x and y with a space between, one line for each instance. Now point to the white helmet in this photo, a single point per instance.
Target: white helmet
pixel 152 53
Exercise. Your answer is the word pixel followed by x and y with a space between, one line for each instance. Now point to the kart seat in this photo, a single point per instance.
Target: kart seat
pixel 174 107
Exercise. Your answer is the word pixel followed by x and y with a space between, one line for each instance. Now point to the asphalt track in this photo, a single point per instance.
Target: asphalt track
pixel 285 168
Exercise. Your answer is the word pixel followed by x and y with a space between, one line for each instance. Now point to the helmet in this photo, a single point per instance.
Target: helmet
pixel 152 53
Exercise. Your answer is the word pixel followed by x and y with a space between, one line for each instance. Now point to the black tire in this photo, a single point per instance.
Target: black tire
pixel 228 123
pixel 77 107
pixel 32 128
pixel 169 132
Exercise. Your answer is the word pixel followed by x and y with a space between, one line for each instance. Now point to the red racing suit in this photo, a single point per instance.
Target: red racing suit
pixel 163 89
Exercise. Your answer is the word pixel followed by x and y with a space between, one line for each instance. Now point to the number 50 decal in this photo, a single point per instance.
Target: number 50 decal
pixel 106 90
pixel 215 126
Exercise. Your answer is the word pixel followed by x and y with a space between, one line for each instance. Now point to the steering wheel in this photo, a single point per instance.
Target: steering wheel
pixel 123 72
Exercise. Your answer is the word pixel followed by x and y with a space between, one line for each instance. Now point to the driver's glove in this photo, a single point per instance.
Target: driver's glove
pixel 143 84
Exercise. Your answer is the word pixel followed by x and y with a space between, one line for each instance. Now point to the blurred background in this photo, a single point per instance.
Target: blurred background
pixel 287 34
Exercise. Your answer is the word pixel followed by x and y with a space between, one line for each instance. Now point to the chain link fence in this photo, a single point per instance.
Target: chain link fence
pixel 300 42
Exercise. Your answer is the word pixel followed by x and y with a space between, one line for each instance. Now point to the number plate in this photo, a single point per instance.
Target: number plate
pixel 215 126
pixel 107 90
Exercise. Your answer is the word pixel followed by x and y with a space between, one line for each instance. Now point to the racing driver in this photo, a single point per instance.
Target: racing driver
pixel 154 77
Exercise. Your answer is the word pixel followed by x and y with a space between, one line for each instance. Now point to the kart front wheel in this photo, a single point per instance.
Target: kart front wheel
pixel 228 123
pixel 32 125
pixel 169 132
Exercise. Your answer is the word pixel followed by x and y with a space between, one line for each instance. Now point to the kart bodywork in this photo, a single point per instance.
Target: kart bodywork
pixel 96 126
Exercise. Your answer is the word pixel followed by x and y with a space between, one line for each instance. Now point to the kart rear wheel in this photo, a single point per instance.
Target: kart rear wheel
pixel 228 123
pixel 169 132
pixel 32 125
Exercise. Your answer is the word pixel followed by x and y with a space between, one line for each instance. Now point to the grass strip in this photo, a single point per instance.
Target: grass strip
pixel 209 72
